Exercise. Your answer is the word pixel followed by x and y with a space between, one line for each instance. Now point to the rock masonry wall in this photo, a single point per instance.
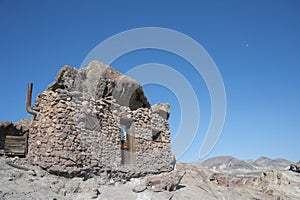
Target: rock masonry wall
pixel 77 134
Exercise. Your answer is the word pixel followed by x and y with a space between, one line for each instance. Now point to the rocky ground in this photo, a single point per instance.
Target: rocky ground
pixel 217 178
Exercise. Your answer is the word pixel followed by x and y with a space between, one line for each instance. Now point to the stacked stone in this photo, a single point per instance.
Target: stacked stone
pixel 153 146
pixel 76 134
pixel 53 142
pixel 68 138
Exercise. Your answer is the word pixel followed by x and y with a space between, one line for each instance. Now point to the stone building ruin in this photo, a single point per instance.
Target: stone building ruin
pixel 96 121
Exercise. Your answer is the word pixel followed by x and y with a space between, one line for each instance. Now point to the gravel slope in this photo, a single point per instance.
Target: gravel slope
pixel 198 183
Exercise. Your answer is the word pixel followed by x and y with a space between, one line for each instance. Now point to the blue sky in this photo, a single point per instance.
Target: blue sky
pixel 255 44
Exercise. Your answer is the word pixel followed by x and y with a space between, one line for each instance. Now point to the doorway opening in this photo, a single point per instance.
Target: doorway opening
pixel 127 145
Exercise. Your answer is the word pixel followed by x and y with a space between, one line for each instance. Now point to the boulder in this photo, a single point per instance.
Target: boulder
pixel 5 124
pixel 168 181
pixel 139 188
pixel 98 81
pixel 8 128
pixel 219 179
pixel 23 126
pixel 162 110
pixel 295 167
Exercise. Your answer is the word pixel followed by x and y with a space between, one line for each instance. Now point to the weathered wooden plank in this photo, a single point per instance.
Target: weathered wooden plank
pixel 16 151
pixel 14 148
pixel 21 138
pixel 12 140
pixel 15 145
pixel 15 142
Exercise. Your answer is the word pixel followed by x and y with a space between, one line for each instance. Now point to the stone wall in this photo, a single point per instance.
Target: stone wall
pixel 95 121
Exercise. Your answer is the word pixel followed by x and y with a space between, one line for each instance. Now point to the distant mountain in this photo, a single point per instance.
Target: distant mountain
pixel 226 163
pixel 229 163
pixel 274 163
